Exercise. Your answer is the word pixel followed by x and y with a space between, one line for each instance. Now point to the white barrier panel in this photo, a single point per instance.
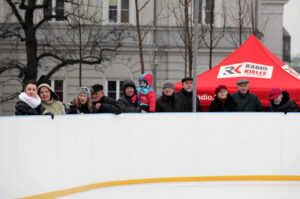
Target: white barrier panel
pixel 40 155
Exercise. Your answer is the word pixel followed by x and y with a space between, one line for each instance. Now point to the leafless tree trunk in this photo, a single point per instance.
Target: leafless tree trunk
pixel 188 32
pixel 137 12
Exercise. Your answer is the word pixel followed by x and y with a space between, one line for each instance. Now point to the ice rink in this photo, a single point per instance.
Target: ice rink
pixel 196 190
pixel 169 156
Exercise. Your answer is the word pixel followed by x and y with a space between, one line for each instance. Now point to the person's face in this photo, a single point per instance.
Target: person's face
pixel 278 99
pixel 168 91
pixel 143 84
pixel 31 90
pixel 129 91
pixel 222 94
pixel 45 94
pixel 83 98
pixel 97 96
pixel 188 85
pixel 243 88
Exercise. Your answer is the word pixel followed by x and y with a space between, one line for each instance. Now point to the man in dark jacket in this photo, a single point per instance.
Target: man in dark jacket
pixel 125 102
pixel 246 101
pixel 104 104
pixel 168 102
pixel 186 95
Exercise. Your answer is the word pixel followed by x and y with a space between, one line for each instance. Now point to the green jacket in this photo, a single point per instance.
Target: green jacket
pixel 54 106
pixel 247 103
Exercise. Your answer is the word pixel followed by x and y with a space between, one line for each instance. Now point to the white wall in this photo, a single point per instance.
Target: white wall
pixel 40 155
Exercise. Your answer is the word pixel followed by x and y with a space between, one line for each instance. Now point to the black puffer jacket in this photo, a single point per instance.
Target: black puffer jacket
pixel 169 104
pixel 83 109
pixel 218 106
pixel 22 108
pixel 108 105
pixel 187 101
pixel 286 104
pixel 125 102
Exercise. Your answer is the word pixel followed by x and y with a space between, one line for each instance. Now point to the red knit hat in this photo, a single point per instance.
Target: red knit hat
pixel 220 87
pixel 274 92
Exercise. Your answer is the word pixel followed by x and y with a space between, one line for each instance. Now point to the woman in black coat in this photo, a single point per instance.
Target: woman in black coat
pixel 281 102
pixel 223 101
pixel 82 104
pixel 29 102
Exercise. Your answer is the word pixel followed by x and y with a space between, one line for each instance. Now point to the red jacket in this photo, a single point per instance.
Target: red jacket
pixel 145 96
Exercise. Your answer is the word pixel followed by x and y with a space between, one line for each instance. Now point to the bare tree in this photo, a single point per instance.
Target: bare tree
pixel 41 39
pixel 85 40
pixel 138 10
pixel 182 11
pixel 243 18
pixel 214 34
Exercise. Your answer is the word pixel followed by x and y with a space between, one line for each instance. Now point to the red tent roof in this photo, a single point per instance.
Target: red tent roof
pixel 252 60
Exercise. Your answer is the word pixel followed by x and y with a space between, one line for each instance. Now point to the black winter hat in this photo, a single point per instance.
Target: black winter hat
pixel 128 83
pixel 97 87
pixel 187 79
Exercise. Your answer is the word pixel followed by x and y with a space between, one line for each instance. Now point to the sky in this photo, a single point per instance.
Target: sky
pixel 291 22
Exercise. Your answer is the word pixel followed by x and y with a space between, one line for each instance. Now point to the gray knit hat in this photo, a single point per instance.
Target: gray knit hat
pixel 84 90
pixel 168 84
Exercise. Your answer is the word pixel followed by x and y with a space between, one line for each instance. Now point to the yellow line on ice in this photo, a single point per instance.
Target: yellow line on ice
pixel 65 192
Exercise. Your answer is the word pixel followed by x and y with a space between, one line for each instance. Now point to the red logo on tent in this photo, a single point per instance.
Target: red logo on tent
pixel 237 69
pixel 232 70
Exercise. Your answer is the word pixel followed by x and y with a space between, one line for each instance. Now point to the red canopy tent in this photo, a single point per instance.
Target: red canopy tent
pixel 252 60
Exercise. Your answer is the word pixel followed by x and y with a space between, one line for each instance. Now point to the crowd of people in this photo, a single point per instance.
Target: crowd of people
pixel 41 99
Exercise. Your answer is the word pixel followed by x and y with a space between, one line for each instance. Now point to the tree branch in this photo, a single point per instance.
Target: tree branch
pixel 90 60
pixel 16 12
pixel 8 98
pixel 44 55
pixel 145 4
pixel 9 34
pixel 46 19
pixel 23 6
pixel 11 66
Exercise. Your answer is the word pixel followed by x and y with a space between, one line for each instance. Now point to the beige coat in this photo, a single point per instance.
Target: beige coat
pixel 54 106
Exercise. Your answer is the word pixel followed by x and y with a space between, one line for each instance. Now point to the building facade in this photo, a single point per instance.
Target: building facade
pixel 163 44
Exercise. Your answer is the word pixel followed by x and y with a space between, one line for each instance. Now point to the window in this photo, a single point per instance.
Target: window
pixel 114 89
pixel 60 10
pixel 206 8
pixel 125 11
pixel 286 48
pixel 113 11
pixel 58 87
pixel 48 9
pixel 200 12
pixel 209 11
pixel 54 8
pixel 118 11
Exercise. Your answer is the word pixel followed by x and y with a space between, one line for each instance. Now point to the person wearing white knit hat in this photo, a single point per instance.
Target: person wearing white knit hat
pixel 50 100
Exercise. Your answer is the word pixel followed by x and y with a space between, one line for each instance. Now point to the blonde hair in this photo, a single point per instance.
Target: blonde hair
pixel 77 103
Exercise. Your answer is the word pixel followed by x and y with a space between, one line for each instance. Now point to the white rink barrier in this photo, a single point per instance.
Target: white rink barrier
pixel 39 155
